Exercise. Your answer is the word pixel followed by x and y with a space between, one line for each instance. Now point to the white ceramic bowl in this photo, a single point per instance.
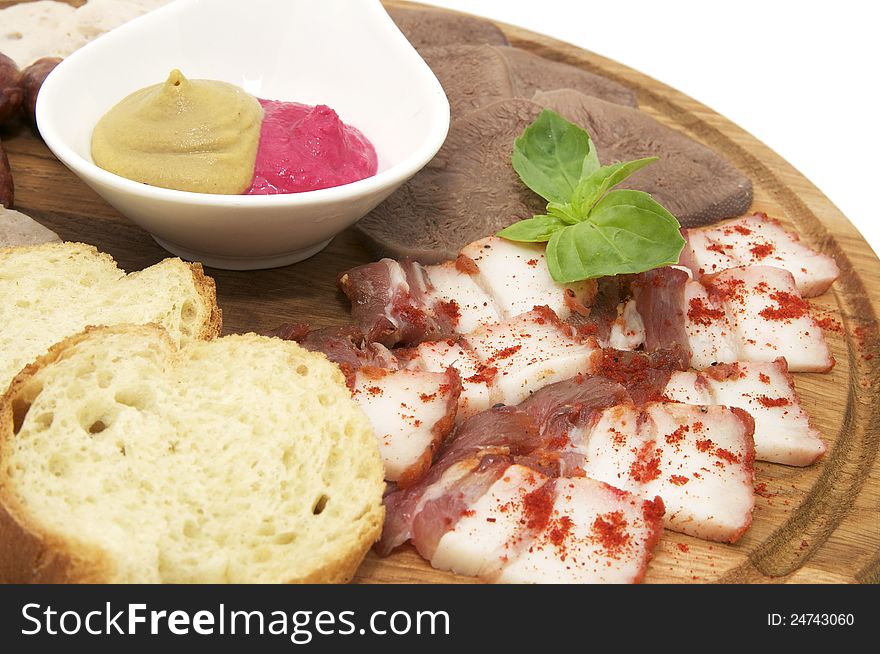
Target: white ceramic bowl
pixel 343 53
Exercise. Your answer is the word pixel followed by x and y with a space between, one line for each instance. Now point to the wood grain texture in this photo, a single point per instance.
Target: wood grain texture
pixel 819 524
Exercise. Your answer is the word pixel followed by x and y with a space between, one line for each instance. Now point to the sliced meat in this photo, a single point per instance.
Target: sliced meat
pixel 447 502
pixel 388 303
pixel 710 335
pixel 472 76
pixel 477 390
pixel 758 240
pixel 697 185
pixel 402 506
pixel 411 413
pixel 531 73
pixel 18 229
pixel 700 460
pixel 644 375
pixel 783 433
pixel 426 28
pixel 530 351
pixel 517 278
pixel 659 297
pixel 589 533
pixel 455 292
pixel 490 529
pixel 481 443
pixel 769 318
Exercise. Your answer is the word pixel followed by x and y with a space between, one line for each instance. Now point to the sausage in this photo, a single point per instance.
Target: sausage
pixel 7 192
pixel 32 79
pixel 11 90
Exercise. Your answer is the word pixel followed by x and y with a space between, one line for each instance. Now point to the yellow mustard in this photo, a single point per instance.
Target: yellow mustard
pixel 189 135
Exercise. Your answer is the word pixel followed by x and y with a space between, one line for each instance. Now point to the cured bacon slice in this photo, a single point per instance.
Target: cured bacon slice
pixel 527 528
pixel 758 240
pixel 783 433
pixel 490 528
pixel 388 303
pixel 411 413
pixel 517 277
pixel 769 319
pixel 477 391
pixel 710 336
pixel 700 460
pixel 457 293
pixel 530 351
pixel 594 534
pixel 659 297
pixel 751 313
pixel 480 444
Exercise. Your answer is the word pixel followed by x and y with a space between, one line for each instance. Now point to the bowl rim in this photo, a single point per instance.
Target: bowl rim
pixel 431 143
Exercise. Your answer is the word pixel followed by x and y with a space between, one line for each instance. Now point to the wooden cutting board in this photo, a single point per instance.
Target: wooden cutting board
pixel 819 524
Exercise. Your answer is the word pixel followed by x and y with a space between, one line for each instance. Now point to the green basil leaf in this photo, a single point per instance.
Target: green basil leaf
pixel 591 188
pixel 533 230
pixel 591 161
pixel 565 212
pixel 631 233
pixel 637 199
pixel 551 156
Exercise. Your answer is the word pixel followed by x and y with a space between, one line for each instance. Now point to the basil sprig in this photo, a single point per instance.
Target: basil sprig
pixel 590 229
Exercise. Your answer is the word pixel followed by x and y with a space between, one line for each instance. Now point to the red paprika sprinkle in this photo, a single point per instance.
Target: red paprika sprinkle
pixel 609 530
pixel 764 378
pixel 678 480
pixel 538 507
pixel 742 229
pixel 790 307
pixel 451 309
pixel 700 313
pixel 762 250
pixel 646 467
pixel 771 402
pixel 704 445
pixel 507 352
pixel 727 455
pixel 683 547
pixel 678 435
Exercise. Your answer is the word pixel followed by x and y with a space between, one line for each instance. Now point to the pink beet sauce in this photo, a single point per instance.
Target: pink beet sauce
pixel 305 148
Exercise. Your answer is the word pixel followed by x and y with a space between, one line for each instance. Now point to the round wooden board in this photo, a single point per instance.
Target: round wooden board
pixel 818 524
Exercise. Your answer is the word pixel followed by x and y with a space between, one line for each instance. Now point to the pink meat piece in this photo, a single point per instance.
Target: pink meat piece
pixel 659 296
pixel 783 433
pixel 768 318
pixel 411 413
pixel 700 460
pixel 528 528
pixel 529 351
pixel 388 303
pixel 758 240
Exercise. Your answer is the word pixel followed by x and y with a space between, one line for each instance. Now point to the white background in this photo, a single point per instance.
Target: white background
pixel 802 77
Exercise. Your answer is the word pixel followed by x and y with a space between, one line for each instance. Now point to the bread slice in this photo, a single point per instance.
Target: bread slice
pixel 241 459
pixel 55 290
